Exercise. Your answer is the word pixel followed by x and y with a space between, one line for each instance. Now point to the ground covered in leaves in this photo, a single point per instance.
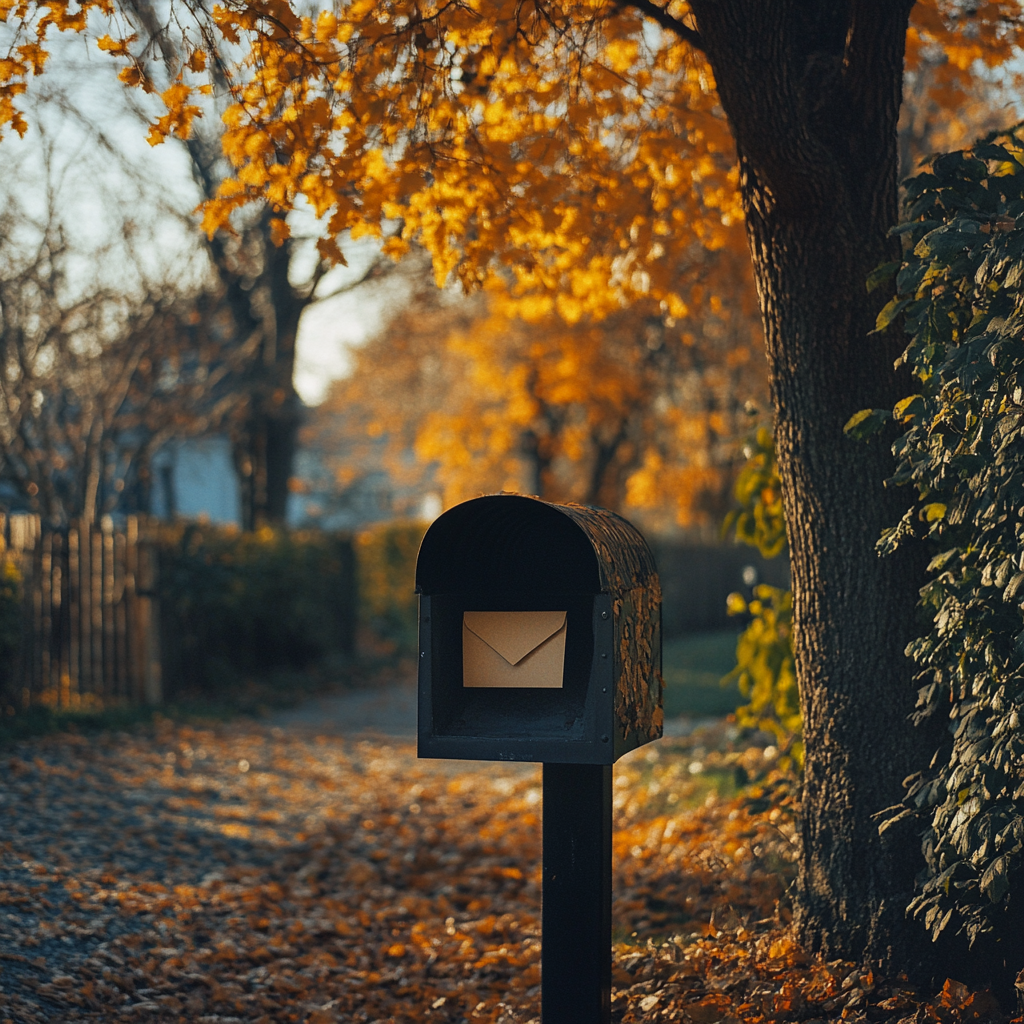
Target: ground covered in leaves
pixel 246 873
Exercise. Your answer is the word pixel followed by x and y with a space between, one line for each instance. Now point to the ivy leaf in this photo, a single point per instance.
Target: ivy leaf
pixel 881 274
pixel 941 561
pixel 862 425
pixel 908 408
pixel 890 311
pixel 1013 586
pixel 995 882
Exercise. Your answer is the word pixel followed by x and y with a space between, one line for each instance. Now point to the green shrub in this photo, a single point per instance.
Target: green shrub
pixel 237 606
pixel 961 293
pixel 386 573
pixel 765 669
pixel 10 620
pixel 758 519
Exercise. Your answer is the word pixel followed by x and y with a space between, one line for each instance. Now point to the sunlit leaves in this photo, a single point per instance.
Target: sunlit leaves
pixel 566 150
pixel 758 519
pixel 765 669
pixel 636 411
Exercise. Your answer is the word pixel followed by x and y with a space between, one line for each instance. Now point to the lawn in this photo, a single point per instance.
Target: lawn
pixel 693 667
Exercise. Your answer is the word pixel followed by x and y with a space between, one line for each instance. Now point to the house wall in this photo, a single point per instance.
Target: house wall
pixel 196 478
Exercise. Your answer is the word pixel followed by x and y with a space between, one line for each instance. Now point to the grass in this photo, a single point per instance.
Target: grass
pixel 693 666
pixel 249 699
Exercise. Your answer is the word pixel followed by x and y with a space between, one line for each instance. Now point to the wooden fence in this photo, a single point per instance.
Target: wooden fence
pixel 90 624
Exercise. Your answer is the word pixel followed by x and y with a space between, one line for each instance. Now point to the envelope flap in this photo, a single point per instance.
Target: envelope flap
pixel 514 634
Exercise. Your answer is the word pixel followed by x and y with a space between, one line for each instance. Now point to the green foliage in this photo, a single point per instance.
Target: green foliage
pixel 10 616
pixel 764 652
pixel 386 570
pixel 758 519
pixel 241 606
pixel 765 671
pixel 961 293
pixel 861 425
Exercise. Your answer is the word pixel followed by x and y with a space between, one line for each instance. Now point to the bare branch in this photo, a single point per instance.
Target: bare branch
pixel 660 14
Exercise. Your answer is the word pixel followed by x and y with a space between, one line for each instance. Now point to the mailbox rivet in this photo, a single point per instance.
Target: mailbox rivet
pixel 604 615
pixel 604 655
pixel 604 689
pixel 423 654
pixel 604 739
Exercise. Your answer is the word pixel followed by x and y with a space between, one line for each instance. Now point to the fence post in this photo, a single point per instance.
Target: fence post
pixel 119 616
pixel 110 686
pixel 96 611
pixel 74 592
pixel 60 681
pixel 134 666
pixel 149 624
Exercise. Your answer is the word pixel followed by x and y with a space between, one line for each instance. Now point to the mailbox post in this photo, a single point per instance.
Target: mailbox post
pixel 540 640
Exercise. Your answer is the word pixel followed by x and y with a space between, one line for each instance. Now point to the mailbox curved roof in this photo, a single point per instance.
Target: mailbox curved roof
pixel 518 542
pixel 623 557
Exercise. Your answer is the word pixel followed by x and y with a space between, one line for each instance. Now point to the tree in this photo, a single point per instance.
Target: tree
pixel 637 411
pixel 254 261
pixel 813 100
pixel 95 375
pixel 573 150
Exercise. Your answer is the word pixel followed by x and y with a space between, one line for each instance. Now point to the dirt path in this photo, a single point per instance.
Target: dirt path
pixel 388 711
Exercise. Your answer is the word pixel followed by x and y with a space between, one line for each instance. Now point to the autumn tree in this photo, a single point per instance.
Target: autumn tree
pixel 581 150
pixel 259 267
pixel 813 100
pixel 636 411
pixel 253 261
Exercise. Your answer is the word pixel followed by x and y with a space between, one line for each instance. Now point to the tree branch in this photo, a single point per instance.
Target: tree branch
pixel 665 20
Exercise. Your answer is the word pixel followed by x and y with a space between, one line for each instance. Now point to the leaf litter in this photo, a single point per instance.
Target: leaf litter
pixel 248 874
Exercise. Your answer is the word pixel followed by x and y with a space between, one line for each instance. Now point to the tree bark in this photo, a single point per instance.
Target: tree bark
pixel 265 448
pixel 812 91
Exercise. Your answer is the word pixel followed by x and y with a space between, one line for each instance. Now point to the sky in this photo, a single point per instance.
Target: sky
pixel 87 148
pixel 346 318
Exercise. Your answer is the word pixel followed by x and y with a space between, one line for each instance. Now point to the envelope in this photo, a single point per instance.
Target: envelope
pixel 520 649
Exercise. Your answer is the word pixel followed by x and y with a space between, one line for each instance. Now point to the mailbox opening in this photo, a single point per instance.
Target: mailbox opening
pixel 461 711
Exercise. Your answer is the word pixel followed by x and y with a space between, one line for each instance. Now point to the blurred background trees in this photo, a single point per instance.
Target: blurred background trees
pixel 635 389
pixel 638 411
pixel 105 354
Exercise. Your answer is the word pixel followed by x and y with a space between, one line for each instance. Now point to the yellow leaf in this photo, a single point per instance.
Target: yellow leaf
pixel 279 231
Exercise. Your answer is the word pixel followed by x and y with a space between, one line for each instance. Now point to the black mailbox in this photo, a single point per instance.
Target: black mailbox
pixel 539 634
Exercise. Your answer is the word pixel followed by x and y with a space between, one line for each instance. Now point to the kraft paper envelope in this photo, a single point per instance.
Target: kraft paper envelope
pixel 522 649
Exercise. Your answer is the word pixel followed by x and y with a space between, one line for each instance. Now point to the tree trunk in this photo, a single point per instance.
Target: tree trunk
pixel 812 92
pixel 265 455
pixel 265 446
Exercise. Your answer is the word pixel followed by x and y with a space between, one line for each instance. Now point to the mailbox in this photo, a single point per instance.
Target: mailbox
pixel 539 634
